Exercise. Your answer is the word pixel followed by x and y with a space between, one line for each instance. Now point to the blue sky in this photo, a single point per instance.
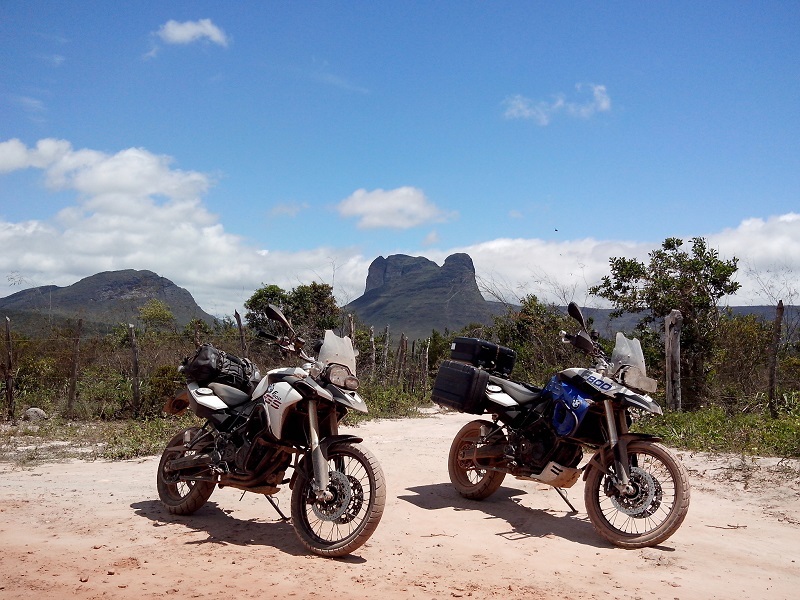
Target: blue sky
pixel 226 145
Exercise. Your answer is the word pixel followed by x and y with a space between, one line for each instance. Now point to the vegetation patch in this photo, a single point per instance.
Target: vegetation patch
pixel 714 430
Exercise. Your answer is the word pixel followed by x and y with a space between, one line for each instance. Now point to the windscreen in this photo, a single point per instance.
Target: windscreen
pixel 627 352
pixel 337 350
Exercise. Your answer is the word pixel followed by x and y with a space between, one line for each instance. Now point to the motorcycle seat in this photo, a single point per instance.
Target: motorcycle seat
pixel 229 394
pixel 519 392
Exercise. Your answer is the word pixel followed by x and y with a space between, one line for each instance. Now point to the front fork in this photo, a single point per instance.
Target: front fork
pixel 321 473
pixel 622 481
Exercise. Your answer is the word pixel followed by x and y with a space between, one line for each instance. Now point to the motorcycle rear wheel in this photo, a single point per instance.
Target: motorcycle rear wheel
pixel 179 496
pixel 343 524
pixel 654 512
pixel 469 479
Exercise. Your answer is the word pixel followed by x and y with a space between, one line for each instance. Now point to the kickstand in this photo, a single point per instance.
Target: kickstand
pixel 563 495
pixel 277 508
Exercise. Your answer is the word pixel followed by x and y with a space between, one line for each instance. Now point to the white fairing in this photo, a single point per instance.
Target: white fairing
pixel 278 397
pixel 502 399
pixel 337 350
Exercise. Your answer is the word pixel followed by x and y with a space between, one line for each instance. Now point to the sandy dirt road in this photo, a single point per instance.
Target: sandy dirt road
pixel 97 530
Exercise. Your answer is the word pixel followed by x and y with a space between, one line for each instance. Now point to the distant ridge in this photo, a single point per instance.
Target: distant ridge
pixel 413 295
pixel 103 301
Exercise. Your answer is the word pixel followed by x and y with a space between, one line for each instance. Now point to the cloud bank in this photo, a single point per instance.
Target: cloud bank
pixel 135 210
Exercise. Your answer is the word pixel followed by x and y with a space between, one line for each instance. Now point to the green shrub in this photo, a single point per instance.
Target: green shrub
pixel 102 393
pixel 713 430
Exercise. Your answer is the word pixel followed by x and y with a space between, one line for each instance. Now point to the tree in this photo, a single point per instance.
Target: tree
pixel 197 330
pixel 692 282
pixel 311 308
pixel 156 314
pixel 256 305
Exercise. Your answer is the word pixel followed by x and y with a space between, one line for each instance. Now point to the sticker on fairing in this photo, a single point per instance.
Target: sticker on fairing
pixel 272 397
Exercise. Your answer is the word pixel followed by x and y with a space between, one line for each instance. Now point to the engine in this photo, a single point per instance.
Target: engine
pixel 537 445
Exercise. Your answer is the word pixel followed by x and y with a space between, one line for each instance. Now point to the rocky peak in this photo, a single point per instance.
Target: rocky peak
pixel 415 295
pixel 384 271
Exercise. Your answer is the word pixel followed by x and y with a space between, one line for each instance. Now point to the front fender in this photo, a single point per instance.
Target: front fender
pixel 605 454
pixel 333 440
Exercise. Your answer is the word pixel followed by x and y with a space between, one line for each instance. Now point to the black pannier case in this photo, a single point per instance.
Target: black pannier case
pixel 460 386
pixel 481 353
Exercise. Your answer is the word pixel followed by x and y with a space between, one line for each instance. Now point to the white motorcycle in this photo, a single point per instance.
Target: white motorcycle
pixel 255 429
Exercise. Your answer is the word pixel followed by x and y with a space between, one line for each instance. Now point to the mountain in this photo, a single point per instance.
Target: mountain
pixel 102 301
pixel 414 295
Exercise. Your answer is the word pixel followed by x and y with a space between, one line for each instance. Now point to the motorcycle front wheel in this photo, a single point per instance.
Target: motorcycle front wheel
pixel 341 525
pixel 656 508
pixel 179 495
pixel 469 479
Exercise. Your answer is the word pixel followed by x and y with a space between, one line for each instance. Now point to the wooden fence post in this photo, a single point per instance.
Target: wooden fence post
pixel 672 342
pixel 241 333
pixel 372 350
pixel 137 393
pixel 425 350
pixel 773 359
pixel 9 378
pixel 73 378
pixel 385 354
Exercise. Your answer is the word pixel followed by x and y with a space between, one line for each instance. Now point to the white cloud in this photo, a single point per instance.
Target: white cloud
pixel 431 239
pixel 769 250
pixel 542 112
pixel 288 209
pixel 400 208
pixel 187 32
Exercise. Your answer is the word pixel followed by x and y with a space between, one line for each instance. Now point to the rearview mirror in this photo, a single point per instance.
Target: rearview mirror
pixel 575 312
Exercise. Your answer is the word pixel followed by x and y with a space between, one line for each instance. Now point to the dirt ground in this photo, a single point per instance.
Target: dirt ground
pixel 96 530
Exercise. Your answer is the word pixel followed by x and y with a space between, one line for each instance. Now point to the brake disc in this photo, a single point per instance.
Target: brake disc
pixel 647 498
pixel 333 509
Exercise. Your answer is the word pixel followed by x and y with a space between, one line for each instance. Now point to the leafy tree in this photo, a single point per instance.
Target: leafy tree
pixel 156 315
pixel 197 330
pixel 742 341
pixel 311 308
pixel 692 282
pixel 256 305
pixel 439 348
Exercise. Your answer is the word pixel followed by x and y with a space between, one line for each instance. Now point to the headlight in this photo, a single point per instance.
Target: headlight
pixel 340 376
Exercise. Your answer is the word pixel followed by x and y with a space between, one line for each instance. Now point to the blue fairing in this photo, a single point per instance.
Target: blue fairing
pixel 570 406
